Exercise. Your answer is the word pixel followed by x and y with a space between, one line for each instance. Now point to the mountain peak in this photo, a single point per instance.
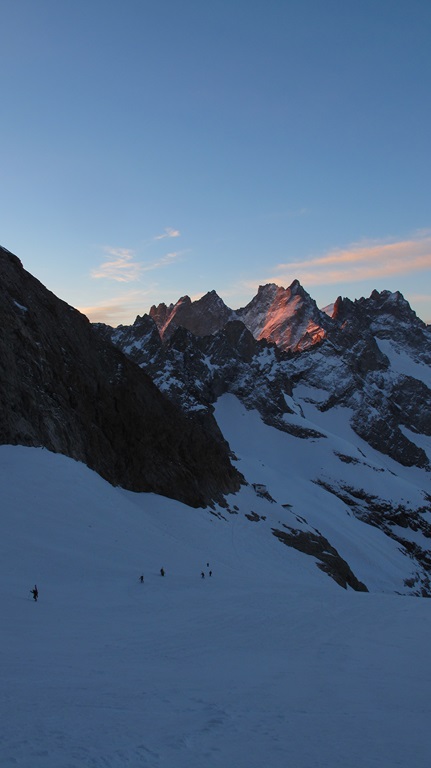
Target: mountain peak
pixel 288 317
pixel 389 307
pixel 296 288
pixel 202 317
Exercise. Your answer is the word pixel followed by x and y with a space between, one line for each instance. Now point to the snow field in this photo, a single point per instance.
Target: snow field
pixel 266 664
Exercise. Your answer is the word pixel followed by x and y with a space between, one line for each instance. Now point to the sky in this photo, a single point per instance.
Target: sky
pixel 156 149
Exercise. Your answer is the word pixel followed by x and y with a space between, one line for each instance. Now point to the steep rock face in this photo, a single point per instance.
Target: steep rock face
pixel 254 315
pixel 133 339
pixel 64 387
pixel 287 317
pixel 141 342
pixel 204 316
pixel 387 316
pixel 327 557
pixel 366 332
pixel 374 395
pixel 162 312
pixel 413 402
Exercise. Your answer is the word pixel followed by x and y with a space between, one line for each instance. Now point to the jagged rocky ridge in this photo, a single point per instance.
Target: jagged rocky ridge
pixel 371 358
pixel 288 317
pixel 62 386
pixel 342 355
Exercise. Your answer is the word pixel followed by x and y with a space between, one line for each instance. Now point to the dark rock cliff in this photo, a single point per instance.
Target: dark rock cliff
pixel 204 316
pixel 63 386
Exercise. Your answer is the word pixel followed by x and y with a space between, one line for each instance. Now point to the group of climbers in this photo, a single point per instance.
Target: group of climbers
pixel 162 573
pixel 35 591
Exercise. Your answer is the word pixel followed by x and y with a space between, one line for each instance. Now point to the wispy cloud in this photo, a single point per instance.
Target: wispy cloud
pixel 359 261
pixel 169 232
pixel 420 297
pixel 124 267
pixel 119 309
pixel 165 261
pixel 121 267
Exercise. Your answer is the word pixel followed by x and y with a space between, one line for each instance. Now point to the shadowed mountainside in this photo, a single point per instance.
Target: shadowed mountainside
pixel 64 387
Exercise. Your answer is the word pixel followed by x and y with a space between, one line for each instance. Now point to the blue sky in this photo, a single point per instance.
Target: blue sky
pixel 155 149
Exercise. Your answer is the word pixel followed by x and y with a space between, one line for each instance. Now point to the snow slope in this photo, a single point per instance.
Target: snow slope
pixel 402 363
pixel 288 466
pixel 268 663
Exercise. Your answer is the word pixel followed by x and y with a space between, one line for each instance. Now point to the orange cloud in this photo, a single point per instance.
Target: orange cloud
pixel 360 261
pixel 111 314
pixel 119 309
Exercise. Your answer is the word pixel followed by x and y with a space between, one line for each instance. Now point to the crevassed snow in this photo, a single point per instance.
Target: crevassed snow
pixel 266 663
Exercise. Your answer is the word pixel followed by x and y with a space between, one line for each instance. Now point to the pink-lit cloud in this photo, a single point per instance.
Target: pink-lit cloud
pixel 359 261
pixel 119 309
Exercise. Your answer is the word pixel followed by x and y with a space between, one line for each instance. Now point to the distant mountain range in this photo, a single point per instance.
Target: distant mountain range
pixel 288 317
pixel 195 351
pixel 144 405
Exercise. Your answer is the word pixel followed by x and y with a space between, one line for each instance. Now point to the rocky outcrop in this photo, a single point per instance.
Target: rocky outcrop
pixel 204 316
pixel 65 387
pixel 386 316
pixel 328 559
pixel 288 317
